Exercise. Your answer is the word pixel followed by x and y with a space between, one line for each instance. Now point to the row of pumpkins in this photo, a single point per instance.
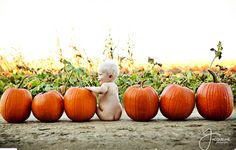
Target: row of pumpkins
pixel 214 101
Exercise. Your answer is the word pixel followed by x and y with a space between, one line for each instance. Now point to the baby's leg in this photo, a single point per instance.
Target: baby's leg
pixel 117 115
pixel 105 116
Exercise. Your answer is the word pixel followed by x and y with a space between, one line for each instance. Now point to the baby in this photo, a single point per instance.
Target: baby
pixel 109 107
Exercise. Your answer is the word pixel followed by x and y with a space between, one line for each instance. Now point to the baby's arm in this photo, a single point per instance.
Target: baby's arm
pixel 99 90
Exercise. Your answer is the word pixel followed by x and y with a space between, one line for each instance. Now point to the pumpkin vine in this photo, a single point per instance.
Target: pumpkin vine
pixel 218 54
pixel 22 81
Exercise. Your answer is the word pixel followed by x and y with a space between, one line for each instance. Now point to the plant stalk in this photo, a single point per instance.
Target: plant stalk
pixel 69 78
pixel 212 62
pixel 22 81
pixel 215 80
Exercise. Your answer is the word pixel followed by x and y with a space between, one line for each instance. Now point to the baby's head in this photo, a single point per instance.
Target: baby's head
pixel 107 71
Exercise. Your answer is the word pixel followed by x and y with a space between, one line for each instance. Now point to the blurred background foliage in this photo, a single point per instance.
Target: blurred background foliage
pixel 60 74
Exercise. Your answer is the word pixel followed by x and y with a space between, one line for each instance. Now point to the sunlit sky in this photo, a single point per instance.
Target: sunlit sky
pixel 168 30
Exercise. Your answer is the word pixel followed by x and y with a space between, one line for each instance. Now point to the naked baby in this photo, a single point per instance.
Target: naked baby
pixel 109 107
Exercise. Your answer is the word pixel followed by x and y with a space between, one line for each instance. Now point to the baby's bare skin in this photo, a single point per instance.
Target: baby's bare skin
pixel 109 107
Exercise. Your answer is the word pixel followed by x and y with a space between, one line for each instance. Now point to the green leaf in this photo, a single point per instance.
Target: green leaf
pixel 35 82
pixel 1 87
pixel 212 49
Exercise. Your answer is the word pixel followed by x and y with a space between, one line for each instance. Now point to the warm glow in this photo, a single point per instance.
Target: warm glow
pixel 170 31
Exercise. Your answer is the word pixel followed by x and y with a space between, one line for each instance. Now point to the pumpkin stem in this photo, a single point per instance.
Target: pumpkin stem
pixel 141 83
pixel 215 80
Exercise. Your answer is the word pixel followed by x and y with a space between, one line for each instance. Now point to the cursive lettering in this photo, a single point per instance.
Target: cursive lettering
pixel 209 136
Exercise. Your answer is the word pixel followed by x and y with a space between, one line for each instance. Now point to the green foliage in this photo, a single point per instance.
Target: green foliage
pixel 70 76
pixel 159 80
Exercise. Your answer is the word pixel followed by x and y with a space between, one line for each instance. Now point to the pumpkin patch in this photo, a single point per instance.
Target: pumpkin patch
pixel 214 101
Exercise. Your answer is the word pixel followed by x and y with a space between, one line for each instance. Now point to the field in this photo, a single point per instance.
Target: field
pixel 38 80
pixel 59 73
pixel 159 133
pixel 176 81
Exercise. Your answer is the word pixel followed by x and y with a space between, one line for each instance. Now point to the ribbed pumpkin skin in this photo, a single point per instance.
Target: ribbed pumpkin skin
pixel 80 104
pixel 48 107
pixel 16 105
pixel 177 102
pixel 141 103
pixel 215 101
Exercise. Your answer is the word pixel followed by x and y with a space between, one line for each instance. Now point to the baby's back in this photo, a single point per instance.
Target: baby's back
pixel 110 100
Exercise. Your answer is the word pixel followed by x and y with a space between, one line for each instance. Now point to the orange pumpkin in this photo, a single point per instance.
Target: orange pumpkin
pixel 215 101
pixel 48 107
pixel 177 102
pixel 141 103
pixel 80 104
pixel 16 105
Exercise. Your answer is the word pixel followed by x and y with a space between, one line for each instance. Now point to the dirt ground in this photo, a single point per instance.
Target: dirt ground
pixel 160 133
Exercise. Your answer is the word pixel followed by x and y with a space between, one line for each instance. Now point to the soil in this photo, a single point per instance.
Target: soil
pixel 159 133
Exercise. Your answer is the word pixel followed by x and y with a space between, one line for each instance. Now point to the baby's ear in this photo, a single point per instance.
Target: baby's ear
pixel 110 76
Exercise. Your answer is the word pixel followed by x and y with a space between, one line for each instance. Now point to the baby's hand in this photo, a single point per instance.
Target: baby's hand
pixel 88 88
